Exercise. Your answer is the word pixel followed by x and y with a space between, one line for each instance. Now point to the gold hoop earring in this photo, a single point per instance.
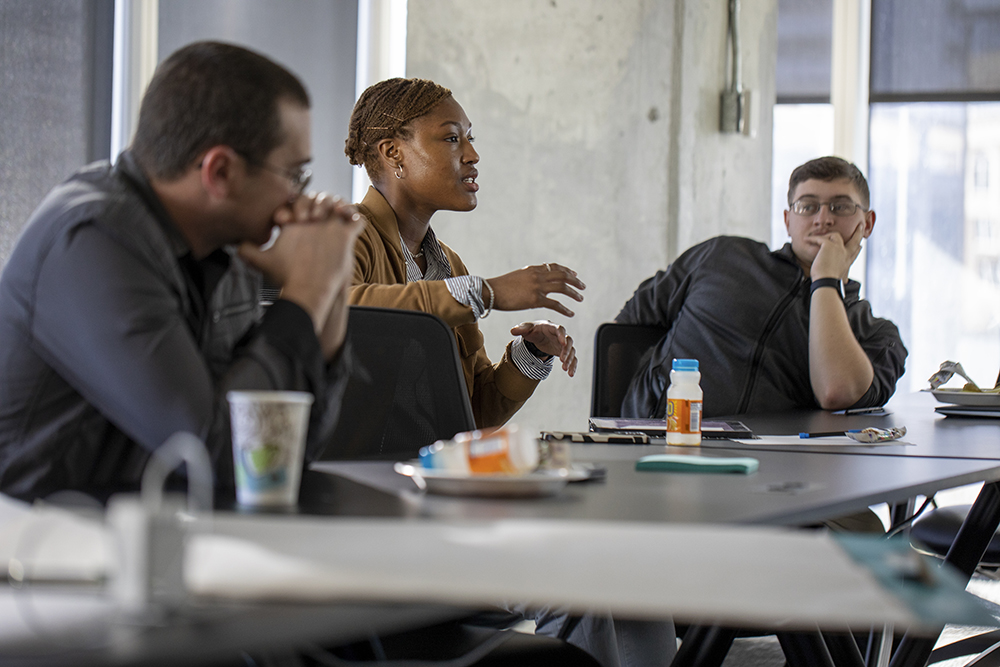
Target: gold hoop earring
pixel 399 174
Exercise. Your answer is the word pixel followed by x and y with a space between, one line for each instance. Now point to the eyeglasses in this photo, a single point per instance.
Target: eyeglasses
pixel 841 208
pixel 299 178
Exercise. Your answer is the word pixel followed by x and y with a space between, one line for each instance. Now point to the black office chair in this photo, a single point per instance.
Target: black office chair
pixel 406 390
pixel 618 349
pixel 936 530
pixel 934 533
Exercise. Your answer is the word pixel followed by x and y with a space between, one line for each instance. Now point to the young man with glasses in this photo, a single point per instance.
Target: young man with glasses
pixel 129 306
pixel 774 330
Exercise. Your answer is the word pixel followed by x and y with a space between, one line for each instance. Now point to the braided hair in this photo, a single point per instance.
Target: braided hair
pixel 384 111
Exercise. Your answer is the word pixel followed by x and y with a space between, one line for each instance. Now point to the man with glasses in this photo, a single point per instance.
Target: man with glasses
pixel 774 330
pixel 129 306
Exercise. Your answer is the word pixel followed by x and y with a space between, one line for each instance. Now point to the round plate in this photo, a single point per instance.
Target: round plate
pixel 532 485
pixel 959 397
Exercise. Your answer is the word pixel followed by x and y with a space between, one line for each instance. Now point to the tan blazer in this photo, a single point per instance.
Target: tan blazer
pixel 496 391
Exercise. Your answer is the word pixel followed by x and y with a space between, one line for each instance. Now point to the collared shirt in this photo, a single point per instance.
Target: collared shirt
pixel 468 290
pixel 113 337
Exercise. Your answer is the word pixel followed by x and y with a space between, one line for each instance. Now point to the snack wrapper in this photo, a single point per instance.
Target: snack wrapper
pixel 873 434
pixel 950 368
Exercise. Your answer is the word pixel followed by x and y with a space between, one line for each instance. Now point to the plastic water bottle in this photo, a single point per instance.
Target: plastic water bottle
pixel 684 403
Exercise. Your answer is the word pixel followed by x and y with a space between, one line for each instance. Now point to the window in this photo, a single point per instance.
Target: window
pixel 934 147
pixel 981 174
pixel 984 230
pixel 926 50
pixel 934 153
pixel 315 40
pixel 801 132
pixel 803 117
pixel 805 48
pixel 55 68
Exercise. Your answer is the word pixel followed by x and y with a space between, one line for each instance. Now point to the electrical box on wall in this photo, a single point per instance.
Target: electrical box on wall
pixel 733 108
pixel 737 113
pixel 734 105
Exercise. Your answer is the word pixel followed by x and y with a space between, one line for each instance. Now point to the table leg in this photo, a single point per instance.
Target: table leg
pixel 843 647
pixel 704 646
pixel 965 553
pixel 805 649
pixel 900 512
pixel 885 639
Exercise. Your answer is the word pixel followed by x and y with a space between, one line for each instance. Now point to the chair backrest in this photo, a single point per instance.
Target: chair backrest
pixel 618 348
pixel 406 390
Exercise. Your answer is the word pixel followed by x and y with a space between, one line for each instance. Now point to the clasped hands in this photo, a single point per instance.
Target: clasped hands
pixel 313 260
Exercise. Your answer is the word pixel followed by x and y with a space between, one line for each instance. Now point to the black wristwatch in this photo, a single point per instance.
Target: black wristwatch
pixel 535 351
pixel 835 283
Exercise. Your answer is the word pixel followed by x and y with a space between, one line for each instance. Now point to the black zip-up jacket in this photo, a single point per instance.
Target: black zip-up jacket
pixel 112 338
pixel 742 311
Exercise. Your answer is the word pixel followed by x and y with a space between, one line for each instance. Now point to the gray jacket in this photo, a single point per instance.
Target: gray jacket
pixel 742 311
pixel 108 344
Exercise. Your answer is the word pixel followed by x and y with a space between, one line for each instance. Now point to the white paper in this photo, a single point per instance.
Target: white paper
pixel 836 440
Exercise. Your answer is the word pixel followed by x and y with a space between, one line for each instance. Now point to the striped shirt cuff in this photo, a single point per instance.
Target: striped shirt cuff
pixel 468 291
pixel 527 363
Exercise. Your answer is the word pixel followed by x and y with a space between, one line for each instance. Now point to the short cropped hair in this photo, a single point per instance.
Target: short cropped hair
pixel 829 169
pixel 208 94
pixel 383 112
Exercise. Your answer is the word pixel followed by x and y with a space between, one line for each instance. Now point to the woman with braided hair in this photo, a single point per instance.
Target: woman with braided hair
pixel 415 142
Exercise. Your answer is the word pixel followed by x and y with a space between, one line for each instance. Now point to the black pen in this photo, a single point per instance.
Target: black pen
pixel 825 434
pixel 879 411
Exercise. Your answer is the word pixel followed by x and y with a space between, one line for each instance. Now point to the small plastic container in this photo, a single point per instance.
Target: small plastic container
pixel 445 455
pixel 684 397
pixel 505 451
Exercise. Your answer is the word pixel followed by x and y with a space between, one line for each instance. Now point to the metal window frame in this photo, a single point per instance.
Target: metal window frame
pixel 381 55
pixel 136 41
pixel 923 96
pixel 99 27
pixel 956 96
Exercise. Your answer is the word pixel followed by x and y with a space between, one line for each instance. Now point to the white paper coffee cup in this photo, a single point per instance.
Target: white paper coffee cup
pixel 269 436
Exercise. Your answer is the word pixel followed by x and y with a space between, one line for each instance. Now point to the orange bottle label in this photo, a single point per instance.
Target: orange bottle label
pixel 683 415
pixel 490 455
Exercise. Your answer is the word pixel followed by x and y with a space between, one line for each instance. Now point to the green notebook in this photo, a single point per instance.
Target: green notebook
pixel 689 463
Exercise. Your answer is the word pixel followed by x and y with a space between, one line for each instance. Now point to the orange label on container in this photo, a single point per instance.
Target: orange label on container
pixel 490 455
pixel 683 415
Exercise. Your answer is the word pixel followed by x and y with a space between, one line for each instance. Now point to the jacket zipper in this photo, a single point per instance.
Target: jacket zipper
pixel 213 317
pixel 769 326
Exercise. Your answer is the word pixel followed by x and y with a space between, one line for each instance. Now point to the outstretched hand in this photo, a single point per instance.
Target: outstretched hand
pixel 551 339
pixel 529 288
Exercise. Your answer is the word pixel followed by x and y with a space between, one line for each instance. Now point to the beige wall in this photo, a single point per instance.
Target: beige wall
pixel 596 122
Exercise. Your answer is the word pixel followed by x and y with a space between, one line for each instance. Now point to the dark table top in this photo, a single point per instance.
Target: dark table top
pixel 929 433
pixel 793 486
pixel 787 489
pixel 806 485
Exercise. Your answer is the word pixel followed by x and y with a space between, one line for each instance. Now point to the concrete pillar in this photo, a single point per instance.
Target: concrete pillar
pixel 597 126
pixel 723 180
